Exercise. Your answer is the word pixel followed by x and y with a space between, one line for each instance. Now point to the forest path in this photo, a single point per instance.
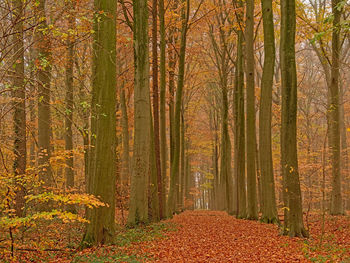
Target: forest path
pixel 211 236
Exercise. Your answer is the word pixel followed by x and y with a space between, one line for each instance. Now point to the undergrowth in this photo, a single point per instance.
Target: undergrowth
pixel 124 238
pixel 328 251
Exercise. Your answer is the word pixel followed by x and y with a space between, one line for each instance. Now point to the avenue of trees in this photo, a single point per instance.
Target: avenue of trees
pixel 148 108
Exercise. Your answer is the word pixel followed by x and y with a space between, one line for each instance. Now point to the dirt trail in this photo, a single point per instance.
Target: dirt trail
pixel 205 236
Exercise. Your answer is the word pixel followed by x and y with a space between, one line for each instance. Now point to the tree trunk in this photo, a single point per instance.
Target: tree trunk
pixel 156 103
pixel 86 135
pixel 182 163
pixel 69 170
pixel 139 180
pixel 344 149
pixel 32 110
pixel 32 120
pixel 163 143
pixel 19 115
pixel 293 225
pixel 125 175
pixel 334 143
pixel 252 212
pixel 174 180
pixel 43 45
pixel 269 210
pixel 189 181
pixel 84 112
pixel 225 185
pixel 215 191
pixel 102 163
pixel 153 201
pixel 258 177
pixel 240 131
pixel 172 57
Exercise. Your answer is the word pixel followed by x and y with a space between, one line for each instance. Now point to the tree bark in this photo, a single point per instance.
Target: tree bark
pixel 125 175
pixel 269 210
pixel 172 58
pixel 252 211
pixel 182 162
pixel 293 225
pixel 43 45
pixel 156 103
pixel 153 197
pixel 102 156
pixel 69 170
pixel 174 180
pixel 138 212
pixel 334 143
pixel 344 149
pixel 19 105
pixel 163 142
pixel 240 131
pixel 225 165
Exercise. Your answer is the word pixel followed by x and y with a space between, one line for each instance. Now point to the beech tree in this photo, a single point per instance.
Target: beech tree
pixel 334 113
pixel 269 210
pixel 239 124
pixel 162 109
pixel 43 75
pixel 138 211
pixel 19 104
pixel 155 96
pixel 175 165
pixel 125 174
pixel 102 156
pixel 252 210
pixel 69 171
pixel 293 214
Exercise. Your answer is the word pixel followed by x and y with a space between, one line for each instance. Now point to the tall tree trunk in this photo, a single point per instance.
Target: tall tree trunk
pixel 344 149
pixel 153 201
pixel 102 156
pixel 69 170
pixel 32 120
pixel 252 211
pixel 189 180
pixel 163 142
pixel 225 185
pixel 85 133
pixel 84 111
pixel 187 196
pixel 334 143
pixel 172 57
pixel 32 109
pixel 182 162
pixel 156 103
pixel 216 174
pixel 174 180
pixel 43 45
pixel 293 225
pixel 269 209
pixel 19 115
pixel 139 180
pixel 216 192
pixel 240 131
pixel 258 176
pixel 125 175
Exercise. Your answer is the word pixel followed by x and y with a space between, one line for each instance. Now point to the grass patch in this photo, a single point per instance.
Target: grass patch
pixel 326 252
pixel 108 254
pixel 124 238
pixel 143 233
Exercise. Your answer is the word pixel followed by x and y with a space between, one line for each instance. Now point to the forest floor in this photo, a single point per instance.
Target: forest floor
pixel 193 236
